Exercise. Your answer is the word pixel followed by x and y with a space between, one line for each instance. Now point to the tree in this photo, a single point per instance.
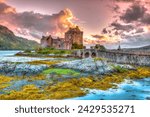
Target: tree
pixel 100 47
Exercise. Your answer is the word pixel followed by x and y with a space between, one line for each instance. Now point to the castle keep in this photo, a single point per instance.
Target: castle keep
pixel 72 36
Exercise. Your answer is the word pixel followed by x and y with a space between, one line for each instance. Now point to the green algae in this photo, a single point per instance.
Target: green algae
pixel 61 71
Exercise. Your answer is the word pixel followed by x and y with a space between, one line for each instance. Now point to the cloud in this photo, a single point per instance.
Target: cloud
pixel 118 26
pixel 4 8
pixel 104 31
pixel 98 36
pixel 137 40
pixel 131 26
pixel 2 0
pixel 139 30
pixel 124 0
pixel 134 13
pixel 103 39
pixel 116 9
pixel 34 25
pixel 146 19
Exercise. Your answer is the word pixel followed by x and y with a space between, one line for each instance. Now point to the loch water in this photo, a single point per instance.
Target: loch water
pixel 4 53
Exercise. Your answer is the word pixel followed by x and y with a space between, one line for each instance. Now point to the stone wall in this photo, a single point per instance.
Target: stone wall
pixel 118 57
pixel 127 58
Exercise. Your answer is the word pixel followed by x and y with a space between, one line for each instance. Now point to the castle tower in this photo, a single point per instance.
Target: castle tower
pixel 73 36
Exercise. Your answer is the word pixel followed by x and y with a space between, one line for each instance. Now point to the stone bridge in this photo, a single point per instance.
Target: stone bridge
pixel 116 56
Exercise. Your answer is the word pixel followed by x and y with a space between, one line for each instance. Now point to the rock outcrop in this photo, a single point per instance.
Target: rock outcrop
pixel 92 66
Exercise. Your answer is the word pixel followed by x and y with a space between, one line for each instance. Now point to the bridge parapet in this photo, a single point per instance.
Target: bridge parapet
pixel 116 56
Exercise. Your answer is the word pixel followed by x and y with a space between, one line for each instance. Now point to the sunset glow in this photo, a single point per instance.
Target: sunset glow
pixel 111 20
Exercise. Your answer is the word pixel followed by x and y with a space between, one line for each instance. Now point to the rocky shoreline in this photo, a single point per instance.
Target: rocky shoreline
pixel 61 78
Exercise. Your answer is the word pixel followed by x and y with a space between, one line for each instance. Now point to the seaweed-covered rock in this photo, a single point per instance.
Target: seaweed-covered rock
pixel 17 85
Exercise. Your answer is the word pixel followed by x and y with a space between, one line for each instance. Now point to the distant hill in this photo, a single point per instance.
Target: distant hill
pixel 8 41
pixel 140 50
pixel 145 47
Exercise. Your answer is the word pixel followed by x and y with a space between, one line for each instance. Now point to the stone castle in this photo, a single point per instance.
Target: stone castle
pixel 72 36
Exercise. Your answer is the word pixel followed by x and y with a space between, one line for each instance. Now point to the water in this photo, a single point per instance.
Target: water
pixel 9 57
pixel 5 53
pixel 129 90
pixel 133 90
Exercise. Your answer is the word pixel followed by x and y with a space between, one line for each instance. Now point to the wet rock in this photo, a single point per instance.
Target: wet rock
pixel 17 85
pixel 21 69
pixel 39 83
pixel 91 66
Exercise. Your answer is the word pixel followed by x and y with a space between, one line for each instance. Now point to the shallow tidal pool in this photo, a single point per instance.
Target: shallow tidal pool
pixel 129 90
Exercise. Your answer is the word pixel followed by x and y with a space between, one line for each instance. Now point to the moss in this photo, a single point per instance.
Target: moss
pixel 99 59
pixel 61 71
pixel 119 69
pixel 4 81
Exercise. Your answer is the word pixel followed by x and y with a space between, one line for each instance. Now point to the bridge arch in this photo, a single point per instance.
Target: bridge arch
pixel 93 55
pixel 87 54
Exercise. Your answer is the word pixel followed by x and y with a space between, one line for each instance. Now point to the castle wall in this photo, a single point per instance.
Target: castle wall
pixel 78 38
pixel 72 36
pixel 46 42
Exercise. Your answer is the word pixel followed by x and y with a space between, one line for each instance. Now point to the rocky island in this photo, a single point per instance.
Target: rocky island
pixel 64 69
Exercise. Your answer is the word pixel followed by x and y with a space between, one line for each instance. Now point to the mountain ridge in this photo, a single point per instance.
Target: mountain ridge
pixel 9 41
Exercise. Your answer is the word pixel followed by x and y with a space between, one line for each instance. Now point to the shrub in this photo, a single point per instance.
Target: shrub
pixel 77 46
pixel 119 69
pixel 53 51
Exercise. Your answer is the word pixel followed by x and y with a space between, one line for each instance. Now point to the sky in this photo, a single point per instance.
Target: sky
pixel 106 22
